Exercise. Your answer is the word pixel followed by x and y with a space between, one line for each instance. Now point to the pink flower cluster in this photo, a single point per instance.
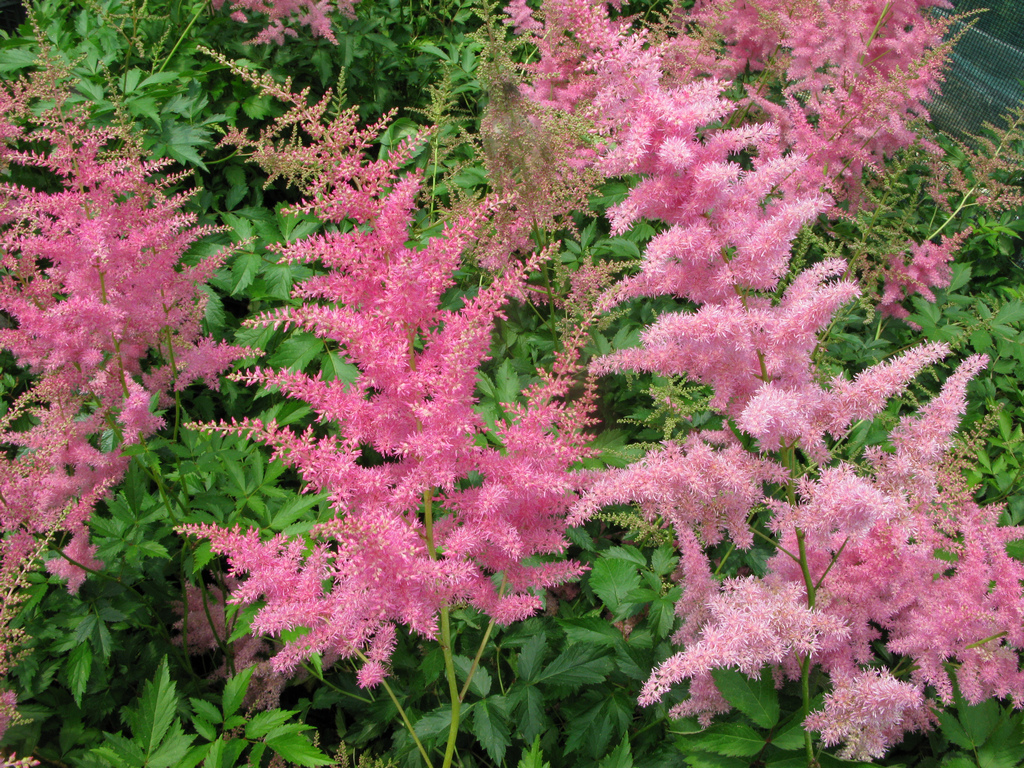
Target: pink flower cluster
pixel 853 73
pixel 101 312
pixel 887 550
pixel 430 502
pixel 315 14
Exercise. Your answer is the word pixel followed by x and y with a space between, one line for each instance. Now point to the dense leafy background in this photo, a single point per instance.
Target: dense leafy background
pixel 104 681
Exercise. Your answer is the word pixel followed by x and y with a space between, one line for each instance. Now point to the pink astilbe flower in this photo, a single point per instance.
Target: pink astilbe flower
pixel 927 268
pixel 867 713
pixel 93 282
pixel 752 623
pixel 431 521
pixel 315 14
pixel 889 549
pixel 101 305
pixel 853 73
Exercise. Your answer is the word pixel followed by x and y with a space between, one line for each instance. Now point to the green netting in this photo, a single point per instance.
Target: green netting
pixel 984 79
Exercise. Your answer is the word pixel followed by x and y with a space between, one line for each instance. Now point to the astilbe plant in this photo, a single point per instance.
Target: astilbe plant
pixel 315 14
pixel 885 548
pixel 838 84
pixel 432 506
pixel 103 314
pixel 842 78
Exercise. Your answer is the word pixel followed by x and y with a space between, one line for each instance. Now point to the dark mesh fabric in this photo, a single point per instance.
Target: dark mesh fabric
pixel 984 78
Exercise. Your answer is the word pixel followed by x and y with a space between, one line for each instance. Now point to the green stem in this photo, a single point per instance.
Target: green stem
pixel 180 38
pixel 476 659
pixel 405 720
pixel 453 685
pixel 446 634
pixel 805 691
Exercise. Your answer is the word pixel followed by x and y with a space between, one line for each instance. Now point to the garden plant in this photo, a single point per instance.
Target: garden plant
pixel 564 383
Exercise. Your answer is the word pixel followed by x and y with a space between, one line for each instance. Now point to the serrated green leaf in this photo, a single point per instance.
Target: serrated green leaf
pixel 789 735
pixel 530 658
pixel 263 723
pixel 156 710
pixel 757 699
pixel 78 669
pixel 292 510
pixel 731 739
pixel 243 271
pixel 575 666
pixel 295 748
pixel 120 752
pixel 979 720
pixel 174 746
pixel 433 724
pixel 710 760
pixel 954 731
pixel 481 683
pixel 663 560
pixel 533 758
pixel 297 351
pixel 1010 313
pixel 593 631
pixel 234 692
pixel 204 727
pixel 180 141
pixel 1004 745
pixel 533 718
pixel 620 757
pixel 490 726
pixel 612 580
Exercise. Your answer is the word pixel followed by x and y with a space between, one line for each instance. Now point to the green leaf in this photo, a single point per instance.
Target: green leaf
pixel 120 752
pixel 789 735
pixel 593 631
pixel 757 699
pixel 1009 313
pixel 78 668
pixel 530 658
pixel 234 692
pixel 295 748
pixel 490 726
pixel 433 724
pixel 175 746
pixel 533 758
pixel 297 351
pixel 293 509
pixel 612 580
pixel 709 760
pixel 979 720
pixel 243 271
pixel 533 718
pixel 663 561
pixel 620 757
pixel 954 731
pixel 263 723
pixel 481 683
pixel 576 666
pixel 180 141
pixel 731 739
pixel 156 710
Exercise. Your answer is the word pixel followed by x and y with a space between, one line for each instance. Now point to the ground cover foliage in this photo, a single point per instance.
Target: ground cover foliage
pixel 439 383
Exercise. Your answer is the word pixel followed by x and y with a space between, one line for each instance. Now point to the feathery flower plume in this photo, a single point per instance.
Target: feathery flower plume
pixel 429 502
pixel 102 312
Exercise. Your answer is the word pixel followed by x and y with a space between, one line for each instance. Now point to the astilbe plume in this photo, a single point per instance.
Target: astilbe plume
pixel 103 315
pixel 856 546
pixel 426 508
pixel 315 14
pixel 852 74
